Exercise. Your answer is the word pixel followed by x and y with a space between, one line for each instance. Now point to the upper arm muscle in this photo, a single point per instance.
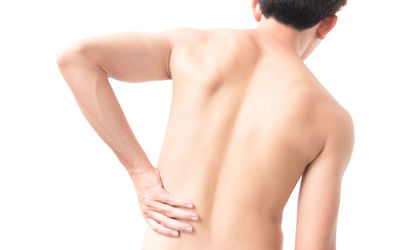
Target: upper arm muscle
pixel 320 189
pixel 132 56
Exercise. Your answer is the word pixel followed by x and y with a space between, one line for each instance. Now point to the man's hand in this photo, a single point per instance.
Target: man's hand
pixel 159 207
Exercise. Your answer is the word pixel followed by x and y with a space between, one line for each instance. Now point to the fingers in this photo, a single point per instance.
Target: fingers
pixel 169 223
pixel 161 229
pixel 170 211
pixel 168 198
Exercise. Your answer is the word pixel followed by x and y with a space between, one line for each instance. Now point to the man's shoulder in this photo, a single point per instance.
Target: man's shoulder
pixel 334 123
pixel 185 35
pixel 336 126
pixel 330 122
pixel 337 120
pixel 340 127
pixel 326 110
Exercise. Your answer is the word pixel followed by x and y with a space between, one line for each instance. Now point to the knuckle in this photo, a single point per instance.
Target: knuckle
pixel 145 213
pixel 164 210
pixel 177 213
pixel 157 195
pixel 169 213
pixel 163 223
pixel 147 202
pixel 149 213
pixel 174 213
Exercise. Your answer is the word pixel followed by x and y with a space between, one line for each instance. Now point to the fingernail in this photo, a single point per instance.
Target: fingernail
pixel 189 205
pixel 175 233
pixel 194 218
pixel 188 229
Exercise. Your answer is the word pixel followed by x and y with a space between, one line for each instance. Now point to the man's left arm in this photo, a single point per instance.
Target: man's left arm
pixel 86 66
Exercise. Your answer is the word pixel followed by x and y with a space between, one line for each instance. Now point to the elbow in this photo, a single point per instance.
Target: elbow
pixel 71 55
pixel 75 63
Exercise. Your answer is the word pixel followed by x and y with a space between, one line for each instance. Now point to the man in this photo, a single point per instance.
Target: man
pixel 247 120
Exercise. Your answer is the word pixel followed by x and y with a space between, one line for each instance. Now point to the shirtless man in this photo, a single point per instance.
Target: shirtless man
pixel 248 119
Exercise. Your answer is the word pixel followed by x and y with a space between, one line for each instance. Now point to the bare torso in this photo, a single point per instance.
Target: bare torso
pixel 241 131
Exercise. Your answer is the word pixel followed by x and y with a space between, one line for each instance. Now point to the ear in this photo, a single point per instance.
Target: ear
pixel 256 10
pixel 326 25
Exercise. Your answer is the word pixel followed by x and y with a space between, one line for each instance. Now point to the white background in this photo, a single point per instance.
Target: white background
pixel 61 187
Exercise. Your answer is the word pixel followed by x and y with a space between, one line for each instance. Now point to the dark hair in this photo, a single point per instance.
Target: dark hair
pixel 300 14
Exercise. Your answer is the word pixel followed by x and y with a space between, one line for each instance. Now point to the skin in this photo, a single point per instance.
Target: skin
pixel 248 119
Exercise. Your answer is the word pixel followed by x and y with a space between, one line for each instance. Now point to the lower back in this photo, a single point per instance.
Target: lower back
pixel 236 145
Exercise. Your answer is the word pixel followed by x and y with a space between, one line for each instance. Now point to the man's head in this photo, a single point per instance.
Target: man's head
pixel 311 18
pixel 300 14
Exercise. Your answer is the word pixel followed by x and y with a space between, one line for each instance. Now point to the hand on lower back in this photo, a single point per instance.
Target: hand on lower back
pixel 159 207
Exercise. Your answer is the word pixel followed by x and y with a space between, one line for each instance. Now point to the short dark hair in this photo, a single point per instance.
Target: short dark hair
pixel 300 14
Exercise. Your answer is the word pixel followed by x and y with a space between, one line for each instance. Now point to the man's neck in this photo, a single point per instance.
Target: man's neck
pixel 282 37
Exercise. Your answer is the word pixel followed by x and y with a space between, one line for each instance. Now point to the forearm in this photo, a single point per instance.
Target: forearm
pixel 98 103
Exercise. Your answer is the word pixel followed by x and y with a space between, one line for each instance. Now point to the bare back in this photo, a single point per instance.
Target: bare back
pixel 242 129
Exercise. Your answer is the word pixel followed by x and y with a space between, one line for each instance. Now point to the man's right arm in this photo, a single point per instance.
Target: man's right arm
pixel 319 194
